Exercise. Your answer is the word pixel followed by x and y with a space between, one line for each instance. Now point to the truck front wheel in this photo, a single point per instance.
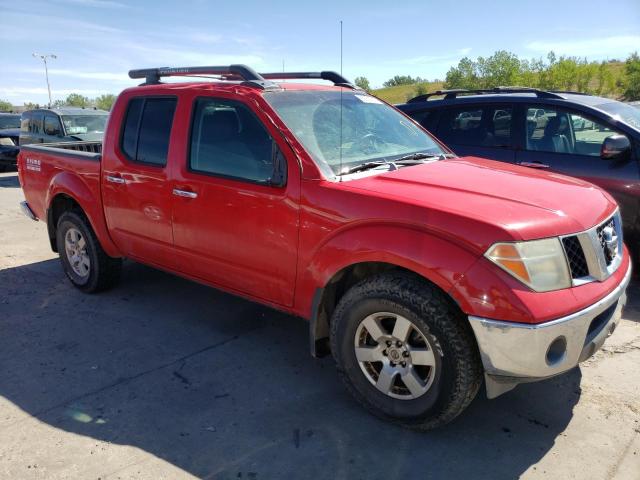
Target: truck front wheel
pixel 84 261
pixel 405 351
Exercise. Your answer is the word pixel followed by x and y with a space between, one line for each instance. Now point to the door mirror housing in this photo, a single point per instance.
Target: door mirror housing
pixel 615 146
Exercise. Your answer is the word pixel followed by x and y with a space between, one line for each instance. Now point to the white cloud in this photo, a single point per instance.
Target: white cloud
pixel 612 46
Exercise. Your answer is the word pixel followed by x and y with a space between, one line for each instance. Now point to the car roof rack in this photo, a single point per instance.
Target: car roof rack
pixel 238 72
pixel 453 93
pixel 331 76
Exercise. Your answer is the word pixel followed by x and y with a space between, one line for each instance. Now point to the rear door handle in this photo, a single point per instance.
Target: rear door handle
pixel 114 179
pixel 184 193
pixel 534 164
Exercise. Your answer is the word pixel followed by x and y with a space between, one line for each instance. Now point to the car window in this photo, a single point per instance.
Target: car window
pixel 52 125
pixel 81 124
pixel 228 140
pixel 474 126
pixel 35 123
pixel 25 122
pixel 560 131
pixel 9 121
pixel 147 130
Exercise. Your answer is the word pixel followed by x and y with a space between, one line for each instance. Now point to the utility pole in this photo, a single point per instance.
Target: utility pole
pixel 46 70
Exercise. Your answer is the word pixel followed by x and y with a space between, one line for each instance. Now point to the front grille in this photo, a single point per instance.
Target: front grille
pixel 575 256
pixel 607 232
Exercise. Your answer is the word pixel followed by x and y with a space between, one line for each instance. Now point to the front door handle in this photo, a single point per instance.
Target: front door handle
pixel 534 164
pixel 113 179
pixel 184 193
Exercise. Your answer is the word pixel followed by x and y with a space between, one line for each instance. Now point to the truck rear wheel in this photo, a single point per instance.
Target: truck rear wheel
pixel 405 351
pixel 84 261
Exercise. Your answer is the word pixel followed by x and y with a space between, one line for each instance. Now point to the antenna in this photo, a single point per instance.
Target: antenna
pixel 341 89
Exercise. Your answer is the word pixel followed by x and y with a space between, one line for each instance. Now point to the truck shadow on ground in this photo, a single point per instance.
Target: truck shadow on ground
pixel 221 387
pixel 9 181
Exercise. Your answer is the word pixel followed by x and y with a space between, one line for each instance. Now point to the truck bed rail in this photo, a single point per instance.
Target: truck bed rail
pixel 86 150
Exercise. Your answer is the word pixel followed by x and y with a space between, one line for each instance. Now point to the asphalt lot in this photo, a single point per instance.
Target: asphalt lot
pixel 164 378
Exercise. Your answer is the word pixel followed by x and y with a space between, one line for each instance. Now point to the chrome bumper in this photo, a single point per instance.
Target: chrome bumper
pixel 26 209
pixel 514 353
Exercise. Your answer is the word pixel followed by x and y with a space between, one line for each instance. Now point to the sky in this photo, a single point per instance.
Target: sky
pixel 98 41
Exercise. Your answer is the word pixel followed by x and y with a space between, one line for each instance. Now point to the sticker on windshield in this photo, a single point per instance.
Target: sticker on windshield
pixel 367 99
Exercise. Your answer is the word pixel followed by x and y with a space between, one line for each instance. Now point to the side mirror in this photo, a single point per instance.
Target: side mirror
pixel 615 146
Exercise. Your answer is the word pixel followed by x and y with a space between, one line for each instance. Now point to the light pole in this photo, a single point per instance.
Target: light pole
pixel 46 70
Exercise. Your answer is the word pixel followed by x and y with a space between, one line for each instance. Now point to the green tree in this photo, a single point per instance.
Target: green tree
pixel 631 80
pixel 31 105
pixel 465 75
pixel 105 102
pixel 363 83
pixel 500 69
pixel 401 80
pixel 5 106
pixel 77 100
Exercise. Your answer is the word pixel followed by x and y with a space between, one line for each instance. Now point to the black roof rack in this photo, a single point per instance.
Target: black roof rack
pixel 334 77
pixel 238 73
pixel 453 93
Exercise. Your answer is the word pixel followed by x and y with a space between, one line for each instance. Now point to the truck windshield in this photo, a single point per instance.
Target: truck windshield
pixel 9 121
pixel 79 124
pixel 369 129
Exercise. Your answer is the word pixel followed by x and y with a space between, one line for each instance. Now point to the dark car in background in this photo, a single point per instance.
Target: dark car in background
pixel 9 137
pixel 67 124
pixel 593 138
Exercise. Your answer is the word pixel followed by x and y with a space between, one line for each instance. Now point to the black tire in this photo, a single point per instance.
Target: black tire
pixel 458 372
pixel 104 271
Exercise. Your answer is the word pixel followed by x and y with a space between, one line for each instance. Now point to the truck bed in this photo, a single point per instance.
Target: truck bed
pixel 50 168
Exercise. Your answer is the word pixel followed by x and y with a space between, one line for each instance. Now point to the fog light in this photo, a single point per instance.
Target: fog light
pixel 557 350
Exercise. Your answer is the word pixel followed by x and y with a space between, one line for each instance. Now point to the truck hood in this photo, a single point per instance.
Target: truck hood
pixel 9 132
pixel 522 202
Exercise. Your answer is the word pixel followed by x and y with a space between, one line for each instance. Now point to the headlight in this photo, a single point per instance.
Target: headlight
pixel 539 264
pixel 7 142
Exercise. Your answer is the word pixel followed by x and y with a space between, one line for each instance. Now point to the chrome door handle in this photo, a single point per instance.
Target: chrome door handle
pixel 184 193
pixel 112 179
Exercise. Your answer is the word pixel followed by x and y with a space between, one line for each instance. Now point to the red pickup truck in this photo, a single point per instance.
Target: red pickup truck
pixel 421 272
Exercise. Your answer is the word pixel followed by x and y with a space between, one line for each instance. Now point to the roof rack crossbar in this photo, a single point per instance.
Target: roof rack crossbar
pixel 230 72
pixel 453 93
pixel 236 72
pixel 334 77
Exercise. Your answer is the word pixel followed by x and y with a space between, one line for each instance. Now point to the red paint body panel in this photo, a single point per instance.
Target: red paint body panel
pixel 279 245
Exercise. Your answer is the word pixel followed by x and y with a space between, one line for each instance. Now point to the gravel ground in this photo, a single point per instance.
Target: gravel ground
pixel 164 378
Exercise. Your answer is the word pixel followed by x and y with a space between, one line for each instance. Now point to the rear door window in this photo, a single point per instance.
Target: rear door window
pixel 147 130
pixel 35 123
pixel 477 126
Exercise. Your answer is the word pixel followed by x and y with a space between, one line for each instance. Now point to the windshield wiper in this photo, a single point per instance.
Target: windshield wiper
pixel 366 166
pixel 411 159
pixel 419 157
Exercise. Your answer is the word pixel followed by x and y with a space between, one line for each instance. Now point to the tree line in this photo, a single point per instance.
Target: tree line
pixel 503 68
pixel 102 102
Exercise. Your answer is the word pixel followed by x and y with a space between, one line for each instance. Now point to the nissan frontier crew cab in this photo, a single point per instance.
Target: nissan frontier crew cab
pixel 422 273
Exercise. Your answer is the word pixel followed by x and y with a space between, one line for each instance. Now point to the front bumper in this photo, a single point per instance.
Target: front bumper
pixel 514 353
